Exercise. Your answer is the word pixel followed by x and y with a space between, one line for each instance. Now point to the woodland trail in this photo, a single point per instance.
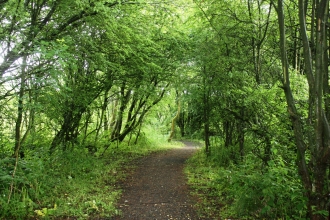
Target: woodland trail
pixel 158 188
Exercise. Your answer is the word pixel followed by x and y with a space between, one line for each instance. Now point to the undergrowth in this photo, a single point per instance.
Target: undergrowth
pixel 73 183
pixel 246 190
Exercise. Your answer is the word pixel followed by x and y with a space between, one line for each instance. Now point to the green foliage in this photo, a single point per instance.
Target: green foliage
pixel 236 98
pixel 96 71
pixel 246 190
pixel 25 186
pixel 276 193
pixel 83 185
pixel 71 183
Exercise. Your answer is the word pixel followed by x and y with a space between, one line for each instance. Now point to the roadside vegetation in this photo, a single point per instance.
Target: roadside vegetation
pixel 246 190
pixel 74 183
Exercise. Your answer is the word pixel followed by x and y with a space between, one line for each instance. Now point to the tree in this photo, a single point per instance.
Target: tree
pixel 240 55
pixel 313 171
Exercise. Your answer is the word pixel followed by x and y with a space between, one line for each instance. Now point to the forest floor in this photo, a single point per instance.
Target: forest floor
pixel 157 189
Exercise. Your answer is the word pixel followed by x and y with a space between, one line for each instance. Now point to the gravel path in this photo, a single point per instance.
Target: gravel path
pixel 158 189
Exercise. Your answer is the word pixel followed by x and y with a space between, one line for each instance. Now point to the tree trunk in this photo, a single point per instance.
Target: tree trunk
pixel 240 130
pixel 68 132
pixel 138 134
pixel 181 122
pixel 31 117
pixel 228 129
pixel 120 114
pixel 206 109
pixel 19 118
pixel 85 127
pixel 319 199
pixel 313 178
pixel 102 117
pixel 293 114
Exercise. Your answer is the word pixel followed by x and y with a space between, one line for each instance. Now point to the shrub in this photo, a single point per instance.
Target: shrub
pixel 247 190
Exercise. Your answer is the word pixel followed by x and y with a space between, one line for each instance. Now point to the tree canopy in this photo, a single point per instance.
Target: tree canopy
pixel 248 77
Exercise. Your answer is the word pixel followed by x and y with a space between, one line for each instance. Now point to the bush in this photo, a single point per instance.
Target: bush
pixel 21 191
pixel 275 193
pixel 247 190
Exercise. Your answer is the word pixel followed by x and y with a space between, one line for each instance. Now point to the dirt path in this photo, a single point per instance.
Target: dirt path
pixel 157 189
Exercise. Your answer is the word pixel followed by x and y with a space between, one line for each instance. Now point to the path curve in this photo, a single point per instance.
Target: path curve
pixel 158 188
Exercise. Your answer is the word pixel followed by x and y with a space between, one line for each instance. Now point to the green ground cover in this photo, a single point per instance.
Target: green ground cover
pixel 73 183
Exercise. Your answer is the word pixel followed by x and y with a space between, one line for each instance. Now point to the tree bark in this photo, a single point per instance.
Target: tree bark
pixel 292 111
pixel 206 109
pixel 19 118
pixel 102 117
pixel 313 178
pixel 124 99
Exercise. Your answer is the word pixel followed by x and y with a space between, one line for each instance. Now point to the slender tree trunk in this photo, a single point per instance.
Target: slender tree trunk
pixel 206 109
pixel 119 120
pixel 293 114
pixel 85 127
pixel 102 116
pixel 322 126
pixel 31 116
pixel 206 132
pixel 138 134
pixel 18 125
pixel 319 139
pixel 114 111
pixel 228 129
pixel 20 109
pixel 181 122
pixel 256 42
pixel 69 129
pixel 241 134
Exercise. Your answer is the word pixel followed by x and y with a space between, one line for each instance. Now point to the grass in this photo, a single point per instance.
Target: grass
pixel 202 178
pixel 76 183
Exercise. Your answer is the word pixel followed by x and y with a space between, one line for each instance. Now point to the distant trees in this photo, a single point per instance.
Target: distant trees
pixel 233 64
